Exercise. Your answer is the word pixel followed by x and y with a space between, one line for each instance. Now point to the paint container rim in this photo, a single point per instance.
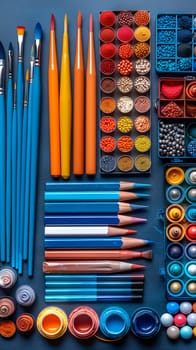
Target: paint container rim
pixel 187 236
pixel 140 317
pixel 30 297
pixel 112 317
pixel 178 238
pixel 186 250
pixel 178 200
pixel 187 175
pixel 147 107
pixel 173 275
pixel 175 244
pixel 187 214
pixel 59 315
pixel 172 281
pixel 76 320
pixel 192 262
pixel 179 209
pixel 112 62
pixel 178 175
pixel 186 193
pixel 191 280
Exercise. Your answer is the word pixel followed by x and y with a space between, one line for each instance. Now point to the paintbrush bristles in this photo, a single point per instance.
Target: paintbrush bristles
pixel 147 254
pixel 52 22
pixel 91 23
pixel 65 23
pixel 79 19
pixel 20 30
pixel 27 75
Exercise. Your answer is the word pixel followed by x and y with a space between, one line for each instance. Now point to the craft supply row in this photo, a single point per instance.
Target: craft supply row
pixel 125 122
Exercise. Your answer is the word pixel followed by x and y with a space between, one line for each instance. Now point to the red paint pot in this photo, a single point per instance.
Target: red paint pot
pixel 107 34
pixel 125 34
pixel 83 322
pixel 107 66
pixel 107 50
pixel 107 18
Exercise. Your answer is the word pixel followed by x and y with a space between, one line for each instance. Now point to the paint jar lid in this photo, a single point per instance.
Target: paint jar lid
pixel 25 295
pixel 7 307
pixel 25 323
pixel 174 175
pixel 190 251
pixel 175 251
pixel 175 213
pixel 107 34
pixel 175 232
pixel 145 322
pixel 190 213
pixel 175 194
pixel 8 277
pixel 83 322
pixel 52 322
pixel 190 176
pixel 190 232
pixel 190 194
pixel 7 328
pixel 175 287
pixel 175 269
pixel 114 322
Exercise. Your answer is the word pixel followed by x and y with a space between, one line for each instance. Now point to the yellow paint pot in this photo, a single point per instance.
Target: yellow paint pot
pixel 52 322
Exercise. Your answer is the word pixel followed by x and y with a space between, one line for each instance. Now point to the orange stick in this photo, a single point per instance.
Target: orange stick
pixel 53 97
pixel 90 153
pixel 78 104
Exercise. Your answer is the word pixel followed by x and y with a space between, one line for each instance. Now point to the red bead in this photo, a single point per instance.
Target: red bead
pixel 179 320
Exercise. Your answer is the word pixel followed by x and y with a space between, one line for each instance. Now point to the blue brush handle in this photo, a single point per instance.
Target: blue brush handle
pixel 14 170
pixel 34 165
pixel 81 220
pixel 87 207
pixel 82 196
pixel 9 167
pixel 80 243
pixel 2 178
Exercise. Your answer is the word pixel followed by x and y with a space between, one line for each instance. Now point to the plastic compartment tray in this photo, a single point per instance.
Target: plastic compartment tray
pixel 180 232
pixel 175 43
pixel 124 43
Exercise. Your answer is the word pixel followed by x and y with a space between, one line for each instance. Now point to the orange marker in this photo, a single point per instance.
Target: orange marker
pixel 90 153
pixel 53 97
pixel 78 104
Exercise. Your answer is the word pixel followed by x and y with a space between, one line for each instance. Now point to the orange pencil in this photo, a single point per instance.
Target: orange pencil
pixel 78 104
pixel 53 97
pixel 90 150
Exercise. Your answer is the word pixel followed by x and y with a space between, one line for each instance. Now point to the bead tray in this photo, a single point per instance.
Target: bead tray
pixel 180 232
pixel 175 43
pixel 125 139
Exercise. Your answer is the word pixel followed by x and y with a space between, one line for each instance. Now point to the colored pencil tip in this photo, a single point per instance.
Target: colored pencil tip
pixel 65 23
pixel 2 51
pixel 10 48
pixel 91 23
pixel 79 19
pixel 142 195
pixel 38 31
pixel 137 267
pixel 147 254
pixel 140 185
pixel 138 206
pixel 20 30
pixel 129 232
pixel 146 241
pixel 52 22
pixel 137 220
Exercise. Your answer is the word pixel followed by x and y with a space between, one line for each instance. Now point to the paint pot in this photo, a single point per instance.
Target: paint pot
pixel 190 251
pixel 125 34
pixel 174 175
pixel 191 194
pixel 175 269
pixel 142 104
pixel 25 323
pixel 175 251
pixel 108 163
pixel 190 232
pixel 7 328
pixel 7 307
pixel 107 18
pixel 107 34
pixel 107 66
pixel 190 269
pixel 175 287
pixel 191 131
pixel 25 295
pixel 191 90
pixel 52 322
pixel 190 213
pixel 125 163
pixel 190 288
pixel 8 277
pixel 142 163
pixel 175 213
pixel 114 322
pixel 190 176
pixel 145 323
pixel 107 50
pixel 83 322
pixel 108 85
pixel 175 194
pixel 175 232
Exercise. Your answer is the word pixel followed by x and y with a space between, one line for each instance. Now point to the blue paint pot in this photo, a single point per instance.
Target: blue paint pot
pixel 190 213
pixel 114 322
pixel 175 269
pixel 175 251
pixel 190 176
pixel 145 323
pixel 175 194
pixel 190 251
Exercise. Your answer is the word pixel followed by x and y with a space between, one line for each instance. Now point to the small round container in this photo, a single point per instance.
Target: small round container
pixel 107 18
pixel 141 18
pixel 125 104
pixel 125 144
pixel 7 307
pixel 124 124
pixel 125 34
pixel 8 277
pixel 175 287
pixel 175 269
pixel 175 194
pixel 125 67
pixel 190 251
pixel 191 148
pixel 142 104
pixel 108 163
pixel 142 50
pixel 142 143
pixel 107 124
pixel 142 33
pixel 190 288
pixel 114 322
pixel 125 51
pixel 7 329
pixel 107 34
pixel 145 323
pixel 190 232
pixel 52 322
pixel 142 124
pixel 190 269
pixel 107 66
pixel 107 105
pixel 83 322
pixel 25 295
pixel 190 213
pixel 25 323
pixel 125 18
pixel 191 90
pixel 175 213
pixel 142 163
pixel 191 131
pixel 124 84
pixel 142 84
pixel 175 232
pixel 108 144
pixel 175 251
pixel 142 66
pixel 190 176
pixel 125 163
pixel 190 194
pixel 108 85
pixel 174 175
pixel 107 50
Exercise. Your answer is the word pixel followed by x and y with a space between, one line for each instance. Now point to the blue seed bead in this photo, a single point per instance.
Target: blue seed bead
pixel 184 64
pixel 191 148
pixel 166 36
pixel 186 332
pixel 166 51
pixel 166 21
pixel 166 65
pixel 172 307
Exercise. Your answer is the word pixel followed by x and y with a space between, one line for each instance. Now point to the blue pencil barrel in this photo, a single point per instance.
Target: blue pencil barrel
pixel 79 243
pixel 81 220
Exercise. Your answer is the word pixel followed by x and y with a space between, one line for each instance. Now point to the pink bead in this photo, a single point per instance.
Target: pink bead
pixel 179 320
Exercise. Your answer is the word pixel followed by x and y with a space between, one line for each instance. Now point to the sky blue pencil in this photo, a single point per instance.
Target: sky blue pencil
pixel 95 278
pixel 94 284
pixel 93 291
pixel 91 298
pixel 95 186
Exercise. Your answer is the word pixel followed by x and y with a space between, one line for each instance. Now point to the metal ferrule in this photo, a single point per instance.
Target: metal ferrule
pixel 32 61
pixel 37 48
pixel 10 63
pixel 26 90
pixel 2 76
pixel 20 48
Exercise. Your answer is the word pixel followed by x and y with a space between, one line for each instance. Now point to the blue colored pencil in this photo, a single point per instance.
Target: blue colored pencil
pixel 93 291
pixel 120 220
pixel 91 207
pixel 95 186
pixel 96 196
pixel 95 278
pixel 2 155
pixel 14 171
pixel 9 152
pixel 93 284
pixel 35 143
pixel 91 298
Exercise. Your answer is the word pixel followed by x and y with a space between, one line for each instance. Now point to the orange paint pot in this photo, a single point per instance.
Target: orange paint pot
pixel 7 328
pixel 25 323
pixel 52 322
pixel 83 322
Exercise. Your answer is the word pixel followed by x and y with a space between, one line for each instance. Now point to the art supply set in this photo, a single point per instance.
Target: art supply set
pixel 89 96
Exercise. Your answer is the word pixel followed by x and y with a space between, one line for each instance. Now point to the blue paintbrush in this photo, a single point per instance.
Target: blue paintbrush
pixel 14 168
pixel 2 153
pixel 35 138
pixel 9 112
